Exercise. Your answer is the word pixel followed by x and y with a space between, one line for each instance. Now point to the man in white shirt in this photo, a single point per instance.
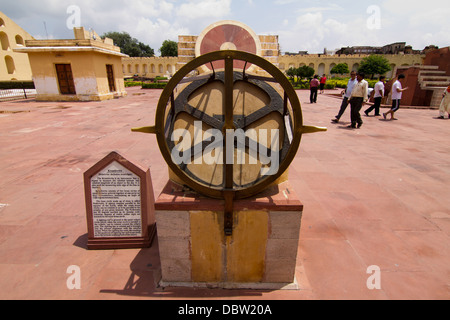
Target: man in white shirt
pixel 357 98
pixel 377 96
pixel 350 84
pixel 397 91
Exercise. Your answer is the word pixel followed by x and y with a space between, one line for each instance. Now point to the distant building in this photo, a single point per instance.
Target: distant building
pixel 393 48
pixel 359 50
pixel 13 65
pixel 302 53
pixel 80 69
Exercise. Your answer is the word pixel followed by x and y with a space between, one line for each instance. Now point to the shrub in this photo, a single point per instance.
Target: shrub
pixel 340 68
pixel 299 86
pixel 132 83
pixel 16 84
pixel 154 85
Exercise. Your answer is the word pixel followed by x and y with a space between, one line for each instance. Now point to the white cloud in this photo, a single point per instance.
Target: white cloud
pixel 331 7
pixel 283 2
pixel 313 32
pixel 205 8
pixel 301 25
pixel 418 23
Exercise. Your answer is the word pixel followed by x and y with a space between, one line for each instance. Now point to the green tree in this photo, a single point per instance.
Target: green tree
pixel 374 64
pixel 340 68
pixel 129 45
pixel 169 48
pixel 291 73
pixel 305 72
pixel 301 73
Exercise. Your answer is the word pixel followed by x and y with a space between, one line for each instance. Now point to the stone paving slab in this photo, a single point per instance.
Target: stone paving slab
pixel 378 195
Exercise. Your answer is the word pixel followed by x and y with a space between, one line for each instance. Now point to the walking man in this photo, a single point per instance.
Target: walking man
pixel 357 98
pixel 397 91
pixel 313 87
pixel 348 91
pixel 378 95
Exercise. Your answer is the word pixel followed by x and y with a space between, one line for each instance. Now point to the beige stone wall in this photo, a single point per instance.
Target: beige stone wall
pixel 149 67
pixel 186 50
pixel 158 66
pixel 270 48
pixel 324 63
pixel 13 65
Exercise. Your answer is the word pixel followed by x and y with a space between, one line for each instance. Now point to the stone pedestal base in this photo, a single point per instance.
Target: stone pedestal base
pixel 260 254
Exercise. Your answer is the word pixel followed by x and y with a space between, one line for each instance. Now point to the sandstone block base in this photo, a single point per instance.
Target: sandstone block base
pixel 260 254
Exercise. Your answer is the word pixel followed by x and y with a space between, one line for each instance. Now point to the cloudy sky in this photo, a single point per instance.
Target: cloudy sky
pixel 310 25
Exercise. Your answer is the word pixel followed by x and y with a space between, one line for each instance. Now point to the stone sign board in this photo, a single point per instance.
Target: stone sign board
pixel 119 204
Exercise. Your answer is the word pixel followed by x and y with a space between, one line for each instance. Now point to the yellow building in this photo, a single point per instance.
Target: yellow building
pixel 13 65
pixel 85 68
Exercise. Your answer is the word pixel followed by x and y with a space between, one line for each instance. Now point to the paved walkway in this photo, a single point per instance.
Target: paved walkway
pixel 378 195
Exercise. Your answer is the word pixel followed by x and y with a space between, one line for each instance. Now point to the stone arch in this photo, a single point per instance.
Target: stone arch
pixel 311 65
pixel 291 65
pixel 10 64
pixel 332 65
pixel 302 64
pixel 281 66
pixel 321 69
pixel 129 68
pixel 152 68
pixel 19 40
pixel 4 41
pixel 2 23
pixel 136 68
pixel 161 69
pixel 145 68
pixel 355 67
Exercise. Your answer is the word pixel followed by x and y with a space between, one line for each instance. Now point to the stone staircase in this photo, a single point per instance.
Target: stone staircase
pixel 431 78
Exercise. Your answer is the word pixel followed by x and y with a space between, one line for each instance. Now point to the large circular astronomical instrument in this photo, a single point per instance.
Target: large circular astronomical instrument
pixel 228 134
pixel 227 35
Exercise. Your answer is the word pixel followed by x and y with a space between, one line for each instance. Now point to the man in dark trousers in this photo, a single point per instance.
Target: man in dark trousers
pixel 314 87
pixel 357 98
pixel 377 97
pixel 347 92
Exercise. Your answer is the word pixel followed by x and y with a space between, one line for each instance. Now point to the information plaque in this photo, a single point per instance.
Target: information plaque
pixel 119 204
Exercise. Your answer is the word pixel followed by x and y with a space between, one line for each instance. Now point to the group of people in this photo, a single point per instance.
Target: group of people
pixel 356 94
pixel 314 86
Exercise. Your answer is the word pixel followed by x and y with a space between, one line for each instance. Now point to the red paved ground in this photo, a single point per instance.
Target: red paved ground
pixel 378 195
